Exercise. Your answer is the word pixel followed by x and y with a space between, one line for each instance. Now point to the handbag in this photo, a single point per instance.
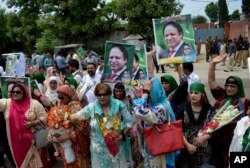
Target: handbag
pixel 41 133
pixel 165 138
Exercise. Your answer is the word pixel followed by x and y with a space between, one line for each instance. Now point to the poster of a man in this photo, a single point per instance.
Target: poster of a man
pixel 171 35
pixel 118 60
pixel 140 63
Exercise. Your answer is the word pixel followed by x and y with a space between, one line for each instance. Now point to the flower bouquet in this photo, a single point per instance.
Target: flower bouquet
pixel 60 124
pixel 110 126
pixel 226 114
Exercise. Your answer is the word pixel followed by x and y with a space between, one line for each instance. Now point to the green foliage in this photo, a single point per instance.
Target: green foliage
pixel 199 19
pixel 3 30
pixel 211 11
pixel 235 15
pixel 246 8
pixel 138 14
pixel 47 42
pixel 223 12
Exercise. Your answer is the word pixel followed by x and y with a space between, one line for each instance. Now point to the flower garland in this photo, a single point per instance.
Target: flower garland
pixel 59 117
pixel 110 128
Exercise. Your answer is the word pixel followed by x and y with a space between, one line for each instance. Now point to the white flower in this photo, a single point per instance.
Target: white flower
pixel 105 120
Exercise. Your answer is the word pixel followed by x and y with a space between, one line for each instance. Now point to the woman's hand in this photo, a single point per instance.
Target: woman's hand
pixel 49 137
pixel 62 138
pixel 118 140
pixel 30 124
pixel 36 92
pixel 147 85
pixel 191 148
pixel 220 58
pixel 201 140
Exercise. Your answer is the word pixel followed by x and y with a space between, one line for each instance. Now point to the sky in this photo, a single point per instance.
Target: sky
pixel 197 7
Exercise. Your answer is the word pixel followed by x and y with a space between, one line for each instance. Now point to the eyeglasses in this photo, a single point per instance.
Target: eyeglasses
pixel 16 92
pixel 61 98
pixel 231 85
pixel 102 94
pixel 53 72
pixel 164 83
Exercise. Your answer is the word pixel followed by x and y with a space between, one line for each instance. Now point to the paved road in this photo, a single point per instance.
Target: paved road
pixel 201 68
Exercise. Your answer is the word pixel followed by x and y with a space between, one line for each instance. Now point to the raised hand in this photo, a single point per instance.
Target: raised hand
pixel 220 58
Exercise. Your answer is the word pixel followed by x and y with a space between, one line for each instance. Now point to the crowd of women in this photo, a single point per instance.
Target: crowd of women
pixel 109 132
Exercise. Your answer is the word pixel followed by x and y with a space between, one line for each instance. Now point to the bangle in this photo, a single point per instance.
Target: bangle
pixel 146 91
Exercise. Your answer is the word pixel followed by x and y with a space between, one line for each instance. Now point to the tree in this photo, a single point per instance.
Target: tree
pixel 222 12
pixel 235 15
pixel 199 19
pixel 27 13
pixel 138 14
pixel 47 42
pixel 211 11
pixel 246 8
pixel 3 30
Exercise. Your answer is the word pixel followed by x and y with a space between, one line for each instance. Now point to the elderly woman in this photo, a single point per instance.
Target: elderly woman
pixel 194 114
pixel 79 136
pixel 153 108
pixel 51 92
pixel 232 91
pixel 51 71
pixel 50 97
pixel 109 121
pixel 22 114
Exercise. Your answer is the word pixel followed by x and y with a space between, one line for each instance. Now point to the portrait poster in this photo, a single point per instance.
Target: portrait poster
pixel 118 62
pixel 10 68
pixel 6 80
pixel 81 53
pixel 140 70
pixel 174 39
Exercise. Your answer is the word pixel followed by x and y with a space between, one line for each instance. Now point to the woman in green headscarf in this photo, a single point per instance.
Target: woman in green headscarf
pixel 195 113
pixel 169 84
pixel 39 77
pixel 70 81
pixel 232 91
pixel 176 94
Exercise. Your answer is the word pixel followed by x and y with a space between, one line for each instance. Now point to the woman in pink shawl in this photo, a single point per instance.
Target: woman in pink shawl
pixel 22 114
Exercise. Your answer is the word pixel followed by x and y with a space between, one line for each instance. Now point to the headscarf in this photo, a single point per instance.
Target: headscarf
pixel 197 87
pixel 158 96
pixel 157 93
pixel 71 81
pixel 237 81
pixel 172 82
pixel 39 77
pixel 49 72
pixel 20 135
pixel 52 94
pixel 65 89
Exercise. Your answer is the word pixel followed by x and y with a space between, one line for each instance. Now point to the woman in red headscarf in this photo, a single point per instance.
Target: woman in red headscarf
pixel 80 134
pixel 22 114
